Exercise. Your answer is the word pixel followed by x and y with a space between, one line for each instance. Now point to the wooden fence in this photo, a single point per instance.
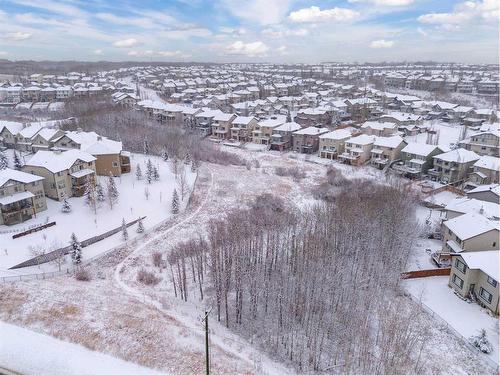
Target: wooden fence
pixel 426 273
pixel 33 230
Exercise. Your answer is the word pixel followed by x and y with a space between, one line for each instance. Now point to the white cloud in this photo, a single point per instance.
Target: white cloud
pixel 53 7
pixel 152 53
pixel 3 53
pixel 463 13
pixel 264 12
pixel 422 31
pixel 315 14
pixel 382 43
pixel 126 42
pixel 249 49
pixel 385 3
pixel 198 32
pixel 98 51
pixel 19 35
pixel 283 32
pixel 230 30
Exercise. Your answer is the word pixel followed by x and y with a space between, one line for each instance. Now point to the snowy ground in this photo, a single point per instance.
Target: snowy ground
pixel 449 134
pixel 43 355
pixel 84 223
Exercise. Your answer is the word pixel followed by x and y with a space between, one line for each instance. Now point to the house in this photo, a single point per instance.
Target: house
pixel 483 143
pixel 242 128
pixel 65 173
pixel 221 125
pixel 453 166
pixel 379 129
pixel 417 159
pixel 332 144
pixel 9 131
pixel 21 196
pixel 360 108
pixel 464 205
pixel 475 275
pixel 385 150
pixel 469 232
pixel 402 119
pixel 486 171
pixel 357 149
pixel 43 139
pixel 111 158
pixel 263 131
pixel 204 120
pixel 486 193
pixel 281 139
pixel 306 140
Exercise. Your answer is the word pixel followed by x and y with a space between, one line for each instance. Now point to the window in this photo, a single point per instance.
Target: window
pixel 115 164
pixel 458 281
pixel 494 244
pixel 460 265
pixel 487 296
pixel 492 281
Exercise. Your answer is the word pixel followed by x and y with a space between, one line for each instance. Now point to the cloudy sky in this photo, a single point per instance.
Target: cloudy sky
pixel 245 31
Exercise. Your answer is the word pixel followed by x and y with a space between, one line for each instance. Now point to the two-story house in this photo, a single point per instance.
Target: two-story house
pixel 306 140
pixel 65 173
pixel 332 144
pixel 453 166
pixel 281 139
pixel 485 171
pixel 221 125
pixel 417 159
pixel 21 196
pixel 379 129
pixel 263 131
pixel 357 149
pixel 484 143
pixel 385 150
pixel 242 128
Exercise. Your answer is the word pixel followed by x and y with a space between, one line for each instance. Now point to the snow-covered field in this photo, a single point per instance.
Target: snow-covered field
pixel 82 221
pixel 48 355
pixel 449 134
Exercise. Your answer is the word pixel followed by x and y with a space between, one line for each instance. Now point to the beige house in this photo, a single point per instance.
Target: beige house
pixel 221 125
pixel 281 139
pixel 263 131
pixel 111 159
pixel 379 129
pixel 469 232
pixel 306 140
pixel 484 143
pixel 65 173
pixel 357 149
pixel 486 171
pixel 385 150
pixel 475 275
pixel 332 144
pixel 43 139
pixel 21 196
pixel 453 166
pixel 242 128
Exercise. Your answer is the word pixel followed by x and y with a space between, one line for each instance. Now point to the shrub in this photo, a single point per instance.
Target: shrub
pixel 81 274
pixel 157 258
pixel 295 172
pixel 147 278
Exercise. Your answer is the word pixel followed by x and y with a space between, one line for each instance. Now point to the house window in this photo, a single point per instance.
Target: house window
pixel 494 244
pixel 460 265
pixel 492 281
pixel 115 164
pixel 458 281
pixel 487 296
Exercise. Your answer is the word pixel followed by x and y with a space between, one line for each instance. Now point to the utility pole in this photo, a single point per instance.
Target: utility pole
pixel 207 360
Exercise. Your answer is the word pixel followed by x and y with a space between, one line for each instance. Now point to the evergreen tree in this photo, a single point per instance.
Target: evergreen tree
pixel 90 194
pixel 113 193
pixel 76 250
pixel 66 206
pixel 187 159
pixel 100 196
pixel 140 226
pixel 175 202
pixel 164 155
pixel 156 174
pixel 288 117
pixel 124 230
pixel 149 171
pixel 138 172
pixel 4 162
pixel 18 164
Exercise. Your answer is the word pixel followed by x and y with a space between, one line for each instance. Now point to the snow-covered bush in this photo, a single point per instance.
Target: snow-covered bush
pixel 147 278
pixel 157 258
pixel 481 342
pixel 66 206
pixel 82 274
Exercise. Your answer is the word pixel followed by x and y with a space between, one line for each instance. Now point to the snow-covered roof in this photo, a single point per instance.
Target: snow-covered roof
pixel 311 130
pixel 486 261
pixel 223 116
pixel 243 120
pixel 94 144
pixel 488 162
pixel 378 125
pixel 12 126
pixel 362 139
pixel 391 142
pixel 56 161
pixel 470 225
pixel 466 205
pixel 272 122
pixel 337 134
pixel 494 188
pixel 458 155
pixel 8 199
pixel 11 174
pixel 421 149
pixel 288 127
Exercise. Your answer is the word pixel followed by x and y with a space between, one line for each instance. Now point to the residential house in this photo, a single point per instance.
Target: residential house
pixel 221 125
pixel 306 140
pixel 486 193
pixel 65 173
pixel 475 276
pixel 386 150
pixel 484 143
pixel 464 205
pixel 379 129
pixel 486 171
pixel 21 196
pixel 242 128
pixel 332 144
pixel 417 159
pixel 263 131
pixel 281 139
pixel 357 149
pixel 453 166
pixel 9 131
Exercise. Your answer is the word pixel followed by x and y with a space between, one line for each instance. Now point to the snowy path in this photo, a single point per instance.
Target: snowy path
pixel 30 353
